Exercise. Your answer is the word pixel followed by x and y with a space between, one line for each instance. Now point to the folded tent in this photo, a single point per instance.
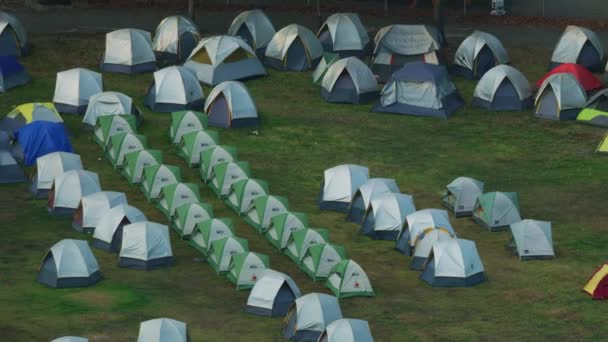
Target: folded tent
pixel 209 231
pixel 74 88
pixel 477 54
pixel 145 246
pixel 188 215
pixel 246 268
pixel 595 112
pixel 293 48
pixel 263 209
pixel 418 224
pixel 128 51
pixel 162 330
pixel 497 210
pixel 272 295
pixel 229 105
pixel 339 186
pixel 12 74
pixel 532 239
pixel 222 251
pixel 282 226
pixel 183 122
pixel 348 279
pixel 503 88
pixel 155 177
pixel 343 33
pixel 226 174
pixel 194 143
pixel 13 36
pixel 111 125
pixel 123 143
pixel 386 215
pixel 244 192
pixel 320 259
pixel 174 88
pixel 454 263
pixel 309 316
pixel 301 240
pixel 174 195
pixel 109 103
pixel 581 46
pixel 460 195
pixel 349 80
pixel 347 329
pixel 69 188
pixel 50 166
pixel 92 208
pixel 136 162
pixel 174 39
pixel 10 171
pixel 27 113
pixel 69 263
pixel 561 97
pixel 365 193
pixel 255 28
pixel 108 232
pixel 213 156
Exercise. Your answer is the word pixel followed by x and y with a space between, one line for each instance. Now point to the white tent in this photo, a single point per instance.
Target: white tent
pixel 424 245
pixel 174 88
pixel 272 295
pixel 580 46
pixel 230 104
pixel 302 239
pixel 255 28
pixel 69 263
pixel 348 279
pixel 244 192
pixel 460 195
pixel 128 51
pixel 532 239
pixel 479 53
pixel 560 97
pixel 13 36
pixel 188 215
pixel 109 229
pixel 71 339
pixel 497 210
pixel 50 166
pixel 320 259
pixel 73 88
pixel 145 245
pixel 213 156
pixel 386 215
pixel 92 208
pixel 347 329
pixel 349 80
pixel 185 122
pixel 246 268
pixel 69 188
pixel 222 251
pixel 419 223
pixel 263 209
pixel 109 103
pixel 503 88
pixel 343 33
pixel 454 263
pixel 293 48
pixel 162 330
pixel 364 195
pixel 310 315
pixel 282 226
pixel 208 231
pixel 174 39
pixel 340 183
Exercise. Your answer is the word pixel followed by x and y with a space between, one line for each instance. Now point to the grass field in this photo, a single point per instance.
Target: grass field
pixel 550 164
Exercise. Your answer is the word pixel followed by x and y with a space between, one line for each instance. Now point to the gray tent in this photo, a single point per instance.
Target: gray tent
pixel 560 97
pixel 460 195
pixel 174 39
pixel 128 51
pixel 503 88
pixel 10 171
pixel 69 263
pixel 344 34
pixel 497 210
pixel 92 208
pixel 73 88
pixel 272 295
pixel 71 339
pixel 13 36
pixel 50 166
pixel 477 54
pixel 580 46
pixel 340 183
pixel 349 81
pixel 293 48
pixel 309 316
pixel 532 239
pixel 230 105
pixel 162 330
pixel 386 215
pixel 69 188
pixel 174 88
pixel 454 263
pixel 108 232
pixel 255 28
pixel 364 195
pixel 145 246
pixel 347 329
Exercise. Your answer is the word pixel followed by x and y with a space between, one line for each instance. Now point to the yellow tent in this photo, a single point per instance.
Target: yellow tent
pixel 36 111
pixel 603 146
pixel 597 286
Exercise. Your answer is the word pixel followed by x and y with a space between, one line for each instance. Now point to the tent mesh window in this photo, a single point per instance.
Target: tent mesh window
pixel 237 55
pixel 202 57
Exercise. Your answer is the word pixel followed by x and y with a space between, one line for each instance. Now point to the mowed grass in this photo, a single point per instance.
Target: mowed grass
pixel 550 164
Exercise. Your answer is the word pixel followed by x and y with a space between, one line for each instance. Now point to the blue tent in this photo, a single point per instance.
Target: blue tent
pixel 38 139
pixel 12 74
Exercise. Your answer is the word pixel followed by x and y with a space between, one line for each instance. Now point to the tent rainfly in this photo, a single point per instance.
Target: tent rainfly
pixel 209 231
pixel 162 330
pixel 344 34
pixel 73 88
pixel 174 88
pixel 156 177
pixel 109 103
pixel 108 232
pixel 586 78
pixel 503 88
pixel 302 239
pixel 174 195
pixel 255 28
pixel 188 215
pixel 263 209
pixel 460 195
pixel 347 329
pixel 349 80
pixel 222 251
pixel 595 112
pixel 309 316
pixel 497 210
pixel 532 239
pixel 272 295
pixel 230 104
pixel 386 215
pixel 12 74
pixel 183 122
pixel 366 192
pixel 420 223
pixel 175 38
pixel 340 183
pixel 13 36
pixel 348 279
pixel 27 113
pixel 128 51
pixel 194 143
pixel 50 166
pixel 123 143
pixel 145 246
pixel 111 125
pixel 244 192
pixel 560 97
pixel 477 54
pixel 69 188
pixel 581 46
pixel 69 263
pixel 293 48
pixel 213 156
pixel 92 208
pixel 454 263
pixel 246 268
pixel 282 226
pixel 597 285
pixel 226 174
pixel 39 139
pixel 135 162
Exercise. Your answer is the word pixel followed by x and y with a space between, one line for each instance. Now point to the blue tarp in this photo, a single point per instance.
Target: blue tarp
pixel 40 138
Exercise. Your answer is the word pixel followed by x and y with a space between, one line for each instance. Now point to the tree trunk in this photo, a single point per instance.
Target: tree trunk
pixel 191 9
pixel 439 18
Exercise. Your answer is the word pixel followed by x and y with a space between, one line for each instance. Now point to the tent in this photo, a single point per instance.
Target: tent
pixel 71 339
pixel 532 239
pixel 424 246
pixel 302 239
pixel 255 28
pixel 194 143
pixel 343 33
pixel 595 112
pixel 597 285
pixel 10 171
pixel 209 231
pixel 27 113
pixel 174 195
pixel 128 51
pixel 366 192
pixel 223 58
pixel 135 162
pixel 123 143
pixel 174 39
pixel 73 88
pixel 349 81
pixel 272 295
pixel 293 48
pixel 348 279
pixel 309 316
pixel 13 36
pixel 325 62
pixel 244 192
pixel 174 88
pixel 109 103
pixel 560 97
pixel 50 166
pixel 230 104
pixel 581 46
pixel 92 208
pixel 586 78
pixel 454 263
pixel 145 246
pixel 460 195
pixel 347 329
pixel 340 183
pixel 282 226
pixel 226 174
pixel 496 210
pixel 386 215
pixel 108 232
pixel 188 215
pixel 602 148
pixel 69 263
pixel 246 268
pixel 213 156
pixel 183 122
pixel 111 125
pixel 420 89
pixel 396 45
pixel 155 177
pixel 162 330
pixel 320 260
pixel 222 251
pixel 38 139
pixel 263 209
pixel 12 74
pixel 503 88
pixel 418 224
pixel 69 188
pixel 477 54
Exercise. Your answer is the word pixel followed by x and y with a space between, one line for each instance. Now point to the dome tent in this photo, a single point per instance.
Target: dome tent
pixel 230 104
pixel 301 240
pixel 263 209
pixel 320 259
pixel 209 231
pixel 27 113
pixel 213 156
pixel 309 315
pixel 69 263
pixel 243 193
pixel 222 251
pixel 123 143
pixel 325 62
pixel 418 224
pixel 586 78
pixel 194 143
pixel 108 232
pixel 246 268
pixel 347 329
pixel 12 74
pixel 174 88
pixel 339 186
pixel 50 166
pixel 73 88
pixel 532 239
pixel 219 59
pixel 174 39
pixel 366 192
pixel 343 33
pixel 348 279
pixel 174 195
pixel 272 295
pixel 595 112
pixel 188 215
pixel 597 285
pixel 69 188
pixel 10 171
pixel 162 330
pixel 503 88
pixel 386 215
pixel 349 81
pixel 71 339
pixel 602 148
pixel 226 174
pixel 560 97
pixel 581 46
pixel 424 246
pixel 13 36
pixel 293 48
pixel 183 122
pixel 255 28
pixel 145 246
pixel 477 54
pixel 282 226
pixel 496 210
pixel 92 208
pixel 38 139
pixel 109 103
pixel 460 195
pixel 135 162
pixel 111 125
pixel 156 177
pixel 128 51
pixel 454 263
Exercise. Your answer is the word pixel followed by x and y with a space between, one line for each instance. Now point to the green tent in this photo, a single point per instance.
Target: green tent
pixel 281 227
pixel 246 268
pixel 242 193
pixel 226 174
pixel 320 259
pixel 109 125
pixel 135 162
pixel 213 156
pixel 496 210
pixel 121 144
pixel 184 122
pixel 206 232
pixel 188 215
pixel 301 240
pixel 156 177
pixel 222 250
pixel 602 148
pixel 326 61
pixel 194 143
pixel 596 110
pixel 348 279
pixel 174 195
pixel 263 210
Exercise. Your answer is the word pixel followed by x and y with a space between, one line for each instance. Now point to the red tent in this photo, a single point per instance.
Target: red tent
pixel 584 76
pixel 597 286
